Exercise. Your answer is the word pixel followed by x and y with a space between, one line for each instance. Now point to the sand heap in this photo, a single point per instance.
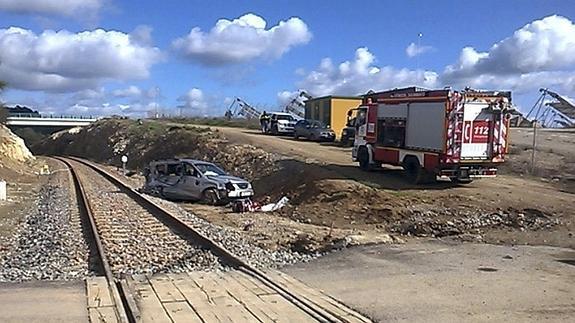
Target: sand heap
pixel 13 150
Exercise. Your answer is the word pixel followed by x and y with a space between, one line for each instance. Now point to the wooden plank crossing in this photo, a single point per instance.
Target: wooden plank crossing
pixel 317 297
pixel 101 307
pixel 230 296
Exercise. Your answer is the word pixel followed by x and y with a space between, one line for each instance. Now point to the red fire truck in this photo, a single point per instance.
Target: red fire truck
pixel 456 134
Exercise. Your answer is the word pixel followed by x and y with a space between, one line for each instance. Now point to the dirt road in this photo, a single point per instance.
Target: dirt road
pixel 515 191
pixel 434 281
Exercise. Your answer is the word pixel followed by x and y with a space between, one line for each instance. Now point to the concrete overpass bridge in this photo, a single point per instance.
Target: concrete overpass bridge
pixel 35 120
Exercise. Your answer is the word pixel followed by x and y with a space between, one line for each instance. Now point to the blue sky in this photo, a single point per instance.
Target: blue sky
pixel 57 62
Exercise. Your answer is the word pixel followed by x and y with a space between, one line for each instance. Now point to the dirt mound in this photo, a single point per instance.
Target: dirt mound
pixel 107 140
pixel 323 197
pixel 13 150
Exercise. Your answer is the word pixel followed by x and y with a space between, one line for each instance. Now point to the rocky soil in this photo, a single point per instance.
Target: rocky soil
pixel 49 244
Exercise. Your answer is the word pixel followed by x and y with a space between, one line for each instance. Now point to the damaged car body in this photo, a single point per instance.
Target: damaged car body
pixel 194 180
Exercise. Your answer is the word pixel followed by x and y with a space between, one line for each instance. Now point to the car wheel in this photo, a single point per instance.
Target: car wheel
pixel 161 192
pixel 210 197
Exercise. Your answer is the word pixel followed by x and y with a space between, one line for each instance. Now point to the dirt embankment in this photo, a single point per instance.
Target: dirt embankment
pixel 107 140
pixel 322 196
pixel 13 151
pixel 17 168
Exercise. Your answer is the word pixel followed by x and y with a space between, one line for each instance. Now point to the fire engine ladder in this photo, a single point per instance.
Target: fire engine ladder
pixel 240 107
pixel 296 106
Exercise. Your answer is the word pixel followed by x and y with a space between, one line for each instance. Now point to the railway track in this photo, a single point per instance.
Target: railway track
pixel 124 292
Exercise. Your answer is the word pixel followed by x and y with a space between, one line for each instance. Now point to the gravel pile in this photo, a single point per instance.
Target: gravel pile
pixel 235 242
pixel 136 242
pixel 431 224
pixel 49 245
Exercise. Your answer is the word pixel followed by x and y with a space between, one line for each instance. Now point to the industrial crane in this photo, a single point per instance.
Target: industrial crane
pixel 242 108
pixel 296 105
pixel 560 113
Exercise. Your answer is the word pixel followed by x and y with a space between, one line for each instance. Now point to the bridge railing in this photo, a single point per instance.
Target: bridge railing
pixel 51 116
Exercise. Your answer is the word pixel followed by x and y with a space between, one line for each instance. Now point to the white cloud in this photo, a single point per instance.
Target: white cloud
pixel 142 35
pixel 413 50
pixel 194 102
pixel 539 54
pixel 52 7
pixel 242 39
pixel 361 75
pixel 285 97
pixel 130 91
pixel 64 61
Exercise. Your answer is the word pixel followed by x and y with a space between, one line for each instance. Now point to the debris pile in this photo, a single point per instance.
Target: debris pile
pixel 449 223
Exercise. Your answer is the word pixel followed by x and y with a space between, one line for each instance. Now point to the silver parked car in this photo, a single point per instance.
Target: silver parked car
pixel 195 180
pixel 313 130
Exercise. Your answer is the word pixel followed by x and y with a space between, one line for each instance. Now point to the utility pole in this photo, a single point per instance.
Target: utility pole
pixel 418 47
pixel 534 146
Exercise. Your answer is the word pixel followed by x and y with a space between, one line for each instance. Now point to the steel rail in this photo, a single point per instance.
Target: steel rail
pixel 104 267
pixel 177 225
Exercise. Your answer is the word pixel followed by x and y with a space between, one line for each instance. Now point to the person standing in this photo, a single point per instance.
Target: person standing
pixel 264 122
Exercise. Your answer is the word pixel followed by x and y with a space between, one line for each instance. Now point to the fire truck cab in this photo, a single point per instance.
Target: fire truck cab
pixel 459 135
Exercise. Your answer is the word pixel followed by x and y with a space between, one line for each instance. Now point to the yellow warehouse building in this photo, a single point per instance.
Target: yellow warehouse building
pixel 331 110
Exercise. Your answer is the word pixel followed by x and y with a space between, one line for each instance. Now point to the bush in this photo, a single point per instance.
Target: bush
pixel 219 122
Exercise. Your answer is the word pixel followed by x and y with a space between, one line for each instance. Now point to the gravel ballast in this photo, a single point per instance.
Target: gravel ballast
pixel 235 242
pixel 135 242
pixel 49 244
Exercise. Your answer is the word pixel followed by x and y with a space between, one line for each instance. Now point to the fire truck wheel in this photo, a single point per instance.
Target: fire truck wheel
pixel 363 159
pixel 412 169
pixel 462 181
pixel 417 174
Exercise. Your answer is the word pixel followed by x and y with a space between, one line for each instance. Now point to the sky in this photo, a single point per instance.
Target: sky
pixel 128 57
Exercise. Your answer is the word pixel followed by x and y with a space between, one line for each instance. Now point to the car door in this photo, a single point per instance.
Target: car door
pixel 192 182
pixel 299 128
pixel 171 179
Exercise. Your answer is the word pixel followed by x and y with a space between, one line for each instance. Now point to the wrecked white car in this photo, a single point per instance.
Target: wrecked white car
pixel 194 180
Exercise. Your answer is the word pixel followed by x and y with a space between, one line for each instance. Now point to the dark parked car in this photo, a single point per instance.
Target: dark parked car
pixel 313 130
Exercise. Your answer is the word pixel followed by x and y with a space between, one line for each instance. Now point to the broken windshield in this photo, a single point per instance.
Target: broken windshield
pixel 210 170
